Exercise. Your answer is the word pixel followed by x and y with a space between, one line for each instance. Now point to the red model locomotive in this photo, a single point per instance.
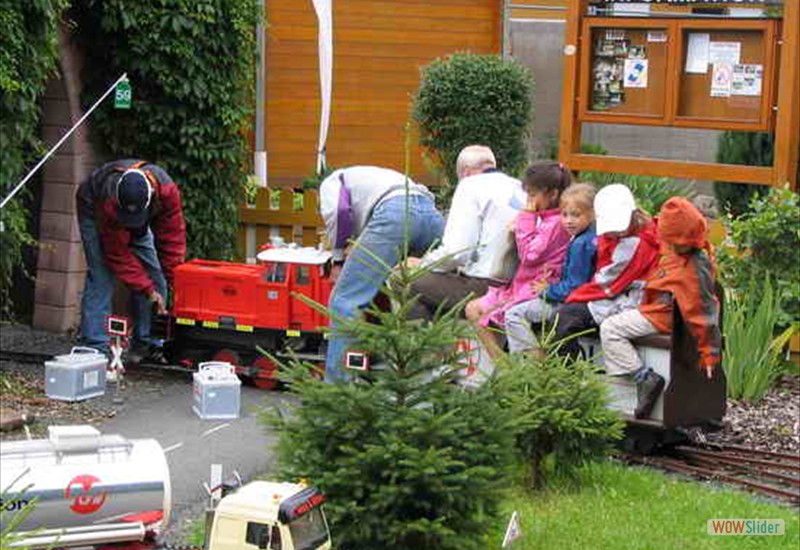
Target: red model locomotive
pixel 223 310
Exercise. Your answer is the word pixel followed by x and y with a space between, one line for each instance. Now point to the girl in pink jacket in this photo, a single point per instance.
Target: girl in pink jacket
pixel 542 244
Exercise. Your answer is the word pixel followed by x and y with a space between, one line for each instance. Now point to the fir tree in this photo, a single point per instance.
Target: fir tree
pixel 560 411
pixel 407 458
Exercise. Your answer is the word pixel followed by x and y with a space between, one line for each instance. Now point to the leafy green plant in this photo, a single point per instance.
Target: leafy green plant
pixel 751 148
pixel 468 99
pixel 250 190
pixel 551 148
pixel 650 191
pixel 407 460
pixel 312 180
pixel 28 55
pixel 763 242
pixel 752 354
pixel 593 149
pixel 11 521
pixel 561 418
pixel 191 66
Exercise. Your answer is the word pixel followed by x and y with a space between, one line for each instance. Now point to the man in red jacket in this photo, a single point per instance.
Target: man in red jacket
pixel 132 228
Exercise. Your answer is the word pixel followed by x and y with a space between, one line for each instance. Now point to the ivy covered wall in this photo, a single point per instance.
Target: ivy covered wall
pixel 191 64
pixel 28 55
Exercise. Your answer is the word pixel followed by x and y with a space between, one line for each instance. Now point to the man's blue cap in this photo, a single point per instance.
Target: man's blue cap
pixel 133 198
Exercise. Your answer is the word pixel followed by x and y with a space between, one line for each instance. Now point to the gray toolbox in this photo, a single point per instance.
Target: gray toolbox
pixel 216 391
pixel 77 376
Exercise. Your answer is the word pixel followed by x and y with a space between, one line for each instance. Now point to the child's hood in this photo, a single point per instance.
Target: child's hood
pixel 681 223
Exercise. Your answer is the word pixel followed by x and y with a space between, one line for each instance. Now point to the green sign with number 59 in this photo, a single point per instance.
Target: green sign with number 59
pixel 123 95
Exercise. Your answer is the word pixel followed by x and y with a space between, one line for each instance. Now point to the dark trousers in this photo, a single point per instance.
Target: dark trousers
pixel 445 290
pixel 572 319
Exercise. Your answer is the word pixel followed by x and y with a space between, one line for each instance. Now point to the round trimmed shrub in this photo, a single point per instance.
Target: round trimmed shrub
pixel 467 99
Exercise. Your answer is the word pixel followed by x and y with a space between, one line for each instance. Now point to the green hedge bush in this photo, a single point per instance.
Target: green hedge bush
pixel 763 242
pixel 28 55
pixel 191 66
pixel 750 148
pixel 467 99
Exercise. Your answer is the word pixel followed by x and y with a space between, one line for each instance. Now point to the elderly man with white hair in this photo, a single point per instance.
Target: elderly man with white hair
pixel 484 204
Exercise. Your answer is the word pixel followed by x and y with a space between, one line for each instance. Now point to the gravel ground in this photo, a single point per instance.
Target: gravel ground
pixel 772 425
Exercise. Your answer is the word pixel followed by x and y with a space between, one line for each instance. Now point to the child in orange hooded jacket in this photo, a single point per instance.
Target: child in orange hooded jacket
pixel 685 271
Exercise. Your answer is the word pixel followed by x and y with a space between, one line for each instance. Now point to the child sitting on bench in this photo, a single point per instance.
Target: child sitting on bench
pixel 577 217
pixel 686 271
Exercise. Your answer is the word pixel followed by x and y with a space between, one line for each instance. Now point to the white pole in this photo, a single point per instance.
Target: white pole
pixel 62 140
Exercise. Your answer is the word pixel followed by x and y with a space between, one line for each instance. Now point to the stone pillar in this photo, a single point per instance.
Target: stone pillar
pixel 61 266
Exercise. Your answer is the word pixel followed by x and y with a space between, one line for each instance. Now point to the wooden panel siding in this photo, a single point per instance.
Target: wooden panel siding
pixel 379 48
pixel 539 9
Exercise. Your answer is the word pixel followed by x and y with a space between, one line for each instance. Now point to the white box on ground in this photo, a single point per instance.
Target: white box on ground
pixel 77 376
pixel 216 391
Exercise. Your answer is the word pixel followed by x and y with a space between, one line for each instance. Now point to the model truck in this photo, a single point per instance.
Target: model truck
pixel 85 489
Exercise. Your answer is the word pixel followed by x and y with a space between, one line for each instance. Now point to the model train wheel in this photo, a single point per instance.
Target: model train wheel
pixel 318 371
pixel 227 356
pixel 266 378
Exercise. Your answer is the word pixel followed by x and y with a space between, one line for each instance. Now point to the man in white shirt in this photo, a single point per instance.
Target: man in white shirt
pixel 381 213
pixel 484 204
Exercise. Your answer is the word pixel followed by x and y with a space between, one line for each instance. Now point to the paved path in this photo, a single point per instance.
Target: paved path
pixel 162 410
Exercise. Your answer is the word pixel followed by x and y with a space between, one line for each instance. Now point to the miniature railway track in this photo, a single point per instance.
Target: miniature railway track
pixel 765 472
pixel 25 357
pixel 141 369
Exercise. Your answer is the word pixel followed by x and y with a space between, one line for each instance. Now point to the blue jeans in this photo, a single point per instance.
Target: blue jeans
pixel 362 276
pixel 99 288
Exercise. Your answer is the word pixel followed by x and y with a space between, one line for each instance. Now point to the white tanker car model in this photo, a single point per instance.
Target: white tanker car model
pixel 107 492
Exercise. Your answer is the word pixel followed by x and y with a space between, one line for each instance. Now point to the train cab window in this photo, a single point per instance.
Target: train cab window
pixel 265 537
pixel 275 273
pixel 302 275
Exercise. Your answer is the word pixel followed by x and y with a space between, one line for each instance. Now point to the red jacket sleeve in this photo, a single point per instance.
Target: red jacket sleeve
pixel 119 257
pixel 620 263
pixel 169 230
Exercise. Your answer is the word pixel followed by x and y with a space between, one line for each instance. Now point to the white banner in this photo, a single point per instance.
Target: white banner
pixel 325 17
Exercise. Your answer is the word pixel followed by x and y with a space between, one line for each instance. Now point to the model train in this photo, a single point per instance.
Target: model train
pixel 223 311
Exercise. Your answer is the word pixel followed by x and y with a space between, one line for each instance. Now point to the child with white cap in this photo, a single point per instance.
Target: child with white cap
pixel 685 272
pixel 627 250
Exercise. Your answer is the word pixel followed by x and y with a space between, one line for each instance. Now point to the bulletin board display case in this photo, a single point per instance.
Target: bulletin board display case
pixel 626 72
pixel 737 84
pixel 677 72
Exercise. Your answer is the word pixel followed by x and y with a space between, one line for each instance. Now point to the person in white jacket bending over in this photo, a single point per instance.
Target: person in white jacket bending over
pixel 365 209
pixel 484 205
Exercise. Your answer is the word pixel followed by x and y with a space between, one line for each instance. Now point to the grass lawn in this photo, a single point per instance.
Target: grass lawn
pixel 636 508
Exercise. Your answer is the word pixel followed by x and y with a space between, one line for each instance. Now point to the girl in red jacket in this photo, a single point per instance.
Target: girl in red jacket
pixel 686 272
pixel 627 250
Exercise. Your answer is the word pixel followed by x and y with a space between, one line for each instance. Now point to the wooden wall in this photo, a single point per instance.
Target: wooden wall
pixel 379 47
pixel 539 9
